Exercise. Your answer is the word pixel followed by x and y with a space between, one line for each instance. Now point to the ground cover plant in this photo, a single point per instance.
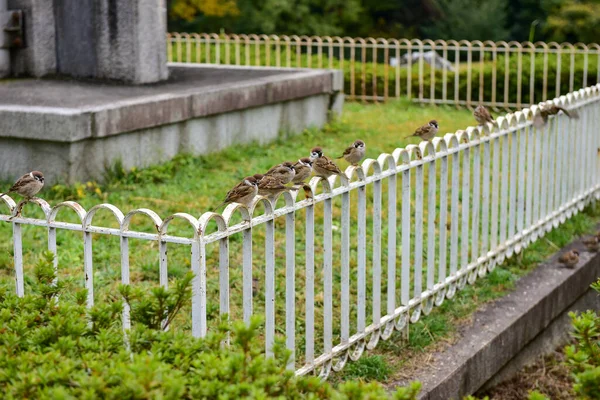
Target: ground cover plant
pixel 51 350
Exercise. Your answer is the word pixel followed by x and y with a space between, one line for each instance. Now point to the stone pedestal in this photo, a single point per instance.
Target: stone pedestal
pixel 102 39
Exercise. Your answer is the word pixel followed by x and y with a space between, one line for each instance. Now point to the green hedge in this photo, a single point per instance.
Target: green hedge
pixel 59 350
pixel 376 74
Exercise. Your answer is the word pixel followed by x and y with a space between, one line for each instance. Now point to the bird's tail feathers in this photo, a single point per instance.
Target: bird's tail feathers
pixel 217 207
pixel 409 136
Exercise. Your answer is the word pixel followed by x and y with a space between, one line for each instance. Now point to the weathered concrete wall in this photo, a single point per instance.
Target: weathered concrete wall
pixel 106 39
pixel 513 330
pixel 38 57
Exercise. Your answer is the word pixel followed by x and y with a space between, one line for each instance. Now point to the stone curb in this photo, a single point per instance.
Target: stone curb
pixel 505 327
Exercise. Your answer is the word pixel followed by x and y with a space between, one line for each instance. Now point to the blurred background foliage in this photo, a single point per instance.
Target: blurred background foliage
pixel 546 20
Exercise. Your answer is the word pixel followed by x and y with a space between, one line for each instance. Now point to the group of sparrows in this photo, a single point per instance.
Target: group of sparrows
pixel 570 258
pixel 273 182
pixel 483 116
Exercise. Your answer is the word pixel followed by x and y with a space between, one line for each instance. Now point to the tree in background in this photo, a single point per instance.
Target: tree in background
pixel 574 21
pixel 469 20
pixel 298 17
pixel 559 20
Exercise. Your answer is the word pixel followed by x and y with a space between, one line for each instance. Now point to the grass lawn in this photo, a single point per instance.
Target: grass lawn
pixel 197 184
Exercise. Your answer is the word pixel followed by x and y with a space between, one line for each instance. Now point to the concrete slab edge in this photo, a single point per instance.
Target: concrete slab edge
pixel 152 111
pixel 503 328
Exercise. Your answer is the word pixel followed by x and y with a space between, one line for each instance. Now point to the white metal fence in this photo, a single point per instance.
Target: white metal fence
pixel 391 238
pixel 498 74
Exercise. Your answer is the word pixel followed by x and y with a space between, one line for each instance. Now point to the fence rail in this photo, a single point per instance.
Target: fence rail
pixel 504 75
pixel 392 238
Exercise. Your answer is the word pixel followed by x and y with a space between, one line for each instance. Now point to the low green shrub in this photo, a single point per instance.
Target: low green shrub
pixel 584 355
pixel 59 349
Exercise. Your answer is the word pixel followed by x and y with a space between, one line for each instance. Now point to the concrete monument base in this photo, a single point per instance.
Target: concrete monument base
pixel 73 130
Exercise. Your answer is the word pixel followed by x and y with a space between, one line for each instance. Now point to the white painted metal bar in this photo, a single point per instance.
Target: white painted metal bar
pixel 52 248
pixel 345 268
pixel 443 227
pixel 269 287
pixel 224 276
pixel 530 179
pixel 505 181
pixel 431 215
pixel 18 259
pixel 485 199
pixel 418 246
pixel 454 222
pixel 361 260
pixel 406 217
pixel 537 176
pixel 290 287
pixel 376 270
pixel 199 289
pixel 89 268
pixel 512 202
pixel 522 149
pixel 327 277
pixel 464 208
pixel 391 246
pixel 476 181
pixel 309 353
pixel 125 280
pixel 247 273
pixel 162 262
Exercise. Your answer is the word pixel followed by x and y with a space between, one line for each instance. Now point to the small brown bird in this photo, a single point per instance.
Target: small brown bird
pixel 270 186
pixel 592 244
pixel 569 259
pixel 354 153
pixel 322 165
pixel 243 193
pixel 258 177
pixel 28 185
pixel 426 132
pixel 303 170
pixel 482 115
pixel 541 119
pixel 285 172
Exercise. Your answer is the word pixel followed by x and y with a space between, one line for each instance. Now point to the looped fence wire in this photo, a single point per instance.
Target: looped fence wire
pixel 501 75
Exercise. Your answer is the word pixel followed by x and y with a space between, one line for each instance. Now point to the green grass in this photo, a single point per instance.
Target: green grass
pixel 369 368
pixel 195 184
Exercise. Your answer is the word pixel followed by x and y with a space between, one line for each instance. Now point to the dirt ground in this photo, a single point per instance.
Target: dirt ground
pixel 548 376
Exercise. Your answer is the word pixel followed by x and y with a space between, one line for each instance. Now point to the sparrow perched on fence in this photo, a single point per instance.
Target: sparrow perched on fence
pixel 426 132
pixel 243 193
pixel 569 259
pixel 270 186
pixel 28 185
pixel 284 172
pixel 322 165
pixel 592 244
pixel 354 153
pixel 541 119
pixel 303 170
pixel 482 115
